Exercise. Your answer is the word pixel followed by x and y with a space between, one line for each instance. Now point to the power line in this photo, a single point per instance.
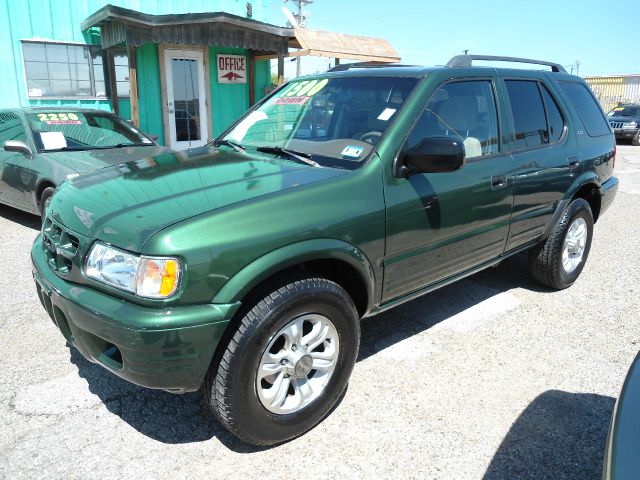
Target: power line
pixel 301 20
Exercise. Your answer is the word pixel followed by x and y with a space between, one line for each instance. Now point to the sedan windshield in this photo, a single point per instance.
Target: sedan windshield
pixel 334 121
pixel 60 130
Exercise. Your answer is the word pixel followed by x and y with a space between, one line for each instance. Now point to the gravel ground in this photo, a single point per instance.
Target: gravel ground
pixel 492 377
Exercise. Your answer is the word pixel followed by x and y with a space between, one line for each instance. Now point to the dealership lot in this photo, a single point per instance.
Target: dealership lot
pixel 492 376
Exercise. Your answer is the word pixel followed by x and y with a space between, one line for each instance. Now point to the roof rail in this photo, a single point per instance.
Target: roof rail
pixel 349 66
pixel 466 61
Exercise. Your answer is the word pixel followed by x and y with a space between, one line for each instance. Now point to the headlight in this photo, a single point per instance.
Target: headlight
pixel 630 125
pixel 150 277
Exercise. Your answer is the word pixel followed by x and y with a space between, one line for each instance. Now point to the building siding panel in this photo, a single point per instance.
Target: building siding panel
pixel 612 90
pixel 228 101
pixel 149 91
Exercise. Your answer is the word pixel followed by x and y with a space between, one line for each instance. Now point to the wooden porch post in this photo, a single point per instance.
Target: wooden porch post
pixel 113 86
pixel 280 70
pixel 133 85
pixel 251 75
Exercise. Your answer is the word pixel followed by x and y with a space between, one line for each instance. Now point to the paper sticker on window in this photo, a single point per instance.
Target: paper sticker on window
pixel 53 140
pixel 351 151
pixel 291 100
pixel 386 114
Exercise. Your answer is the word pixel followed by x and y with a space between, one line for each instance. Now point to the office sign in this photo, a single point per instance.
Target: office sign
pixel 232 68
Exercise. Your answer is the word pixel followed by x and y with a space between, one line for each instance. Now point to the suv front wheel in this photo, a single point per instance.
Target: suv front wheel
pixel 287 363
pixel 558 262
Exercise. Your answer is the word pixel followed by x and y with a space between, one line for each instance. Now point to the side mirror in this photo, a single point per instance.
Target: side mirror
pixel 433 155
pixel 17 146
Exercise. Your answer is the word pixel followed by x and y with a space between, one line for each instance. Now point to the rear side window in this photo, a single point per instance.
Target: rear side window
pixel 528 114
pixel 588 110
pixel 11 129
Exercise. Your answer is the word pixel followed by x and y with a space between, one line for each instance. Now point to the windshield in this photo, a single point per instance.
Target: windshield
pixel 627 111
pixel 76 130
pixel 334 121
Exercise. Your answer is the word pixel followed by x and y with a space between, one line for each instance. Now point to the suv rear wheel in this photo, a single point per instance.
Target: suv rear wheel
pixel 287 363
pixel 558 262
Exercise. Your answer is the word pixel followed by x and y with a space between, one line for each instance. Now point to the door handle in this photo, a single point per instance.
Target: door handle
pixel 498 182
pixel 573 163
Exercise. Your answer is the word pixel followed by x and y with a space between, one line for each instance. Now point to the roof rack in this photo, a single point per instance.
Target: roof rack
pixel 349 66
pixel 466 61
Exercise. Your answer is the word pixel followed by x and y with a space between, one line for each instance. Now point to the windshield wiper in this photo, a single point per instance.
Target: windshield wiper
pixel 296 155
pixel 229 143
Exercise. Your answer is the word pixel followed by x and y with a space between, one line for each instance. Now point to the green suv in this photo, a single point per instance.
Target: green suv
pixel 243 268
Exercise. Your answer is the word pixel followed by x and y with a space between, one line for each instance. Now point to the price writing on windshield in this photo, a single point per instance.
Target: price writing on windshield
pixel 306 88
pixel 59 118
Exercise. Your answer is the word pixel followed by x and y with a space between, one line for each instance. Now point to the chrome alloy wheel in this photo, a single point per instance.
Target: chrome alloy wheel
pixel 297 364
pixel 574 245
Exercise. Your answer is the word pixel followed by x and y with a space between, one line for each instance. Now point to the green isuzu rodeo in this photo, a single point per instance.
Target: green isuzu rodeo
pixel 243 268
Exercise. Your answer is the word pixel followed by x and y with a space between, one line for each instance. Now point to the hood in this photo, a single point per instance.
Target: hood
pixel 88 160
pixel 624 119
pixel 127 203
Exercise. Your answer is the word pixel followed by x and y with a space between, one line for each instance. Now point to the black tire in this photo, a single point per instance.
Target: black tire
pixel 230 385
pixel 635 141
pixel 45 199
pixel 545 260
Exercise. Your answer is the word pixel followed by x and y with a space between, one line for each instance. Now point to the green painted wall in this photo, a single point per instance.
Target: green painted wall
pixel 149 91
pixel 124 108
pixel 229 102
pixel 59 20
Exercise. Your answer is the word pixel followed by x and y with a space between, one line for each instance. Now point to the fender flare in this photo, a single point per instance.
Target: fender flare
pixel 238 286
pixel 584 179
pixel 39 183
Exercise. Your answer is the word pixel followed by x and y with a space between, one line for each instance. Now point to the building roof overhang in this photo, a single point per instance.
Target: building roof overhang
pixel 123 26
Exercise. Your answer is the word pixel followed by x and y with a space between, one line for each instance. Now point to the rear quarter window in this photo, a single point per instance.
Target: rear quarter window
pixel 587 107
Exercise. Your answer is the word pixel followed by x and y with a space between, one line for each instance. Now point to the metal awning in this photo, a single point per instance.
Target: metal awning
pixel 123 26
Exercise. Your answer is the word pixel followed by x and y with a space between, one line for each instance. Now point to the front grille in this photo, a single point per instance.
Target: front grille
pixel 60 246
pixel 615 124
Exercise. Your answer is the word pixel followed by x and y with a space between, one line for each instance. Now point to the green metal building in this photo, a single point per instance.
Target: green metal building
pixel 181 70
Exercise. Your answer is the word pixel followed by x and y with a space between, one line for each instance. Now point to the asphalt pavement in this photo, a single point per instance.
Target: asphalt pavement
pixel 492 377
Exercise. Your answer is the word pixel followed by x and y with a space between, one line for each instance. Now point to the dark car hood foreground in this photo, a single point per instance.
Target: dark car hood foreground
pixel 88 160
pixel 125 204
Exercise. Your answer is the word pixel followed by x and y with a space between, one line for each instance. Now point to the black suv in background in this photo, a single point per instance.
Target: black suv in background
pixel 625 122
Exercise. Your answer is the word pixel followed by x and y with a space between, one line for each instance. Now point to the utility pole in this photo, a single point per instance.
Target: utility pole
pixel 300 18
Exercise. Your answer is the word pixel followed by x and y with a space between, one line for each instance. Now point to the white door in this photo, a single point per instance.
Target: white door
pixel 186 108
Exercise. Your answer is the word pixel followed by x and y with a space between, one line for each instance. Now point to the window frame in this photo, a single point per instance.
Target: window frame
pixel 493 84
pixel 92 79
pixel 512 133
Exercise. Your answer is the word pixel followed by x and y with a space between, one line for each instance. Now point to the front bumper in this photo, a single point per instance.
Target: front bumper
pixel 166 348
pixel 624 134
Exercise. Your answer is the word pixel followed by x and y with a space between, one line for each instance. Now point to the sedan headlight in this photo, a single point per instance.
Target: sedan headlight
pixel 150 277
pixel 630 125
